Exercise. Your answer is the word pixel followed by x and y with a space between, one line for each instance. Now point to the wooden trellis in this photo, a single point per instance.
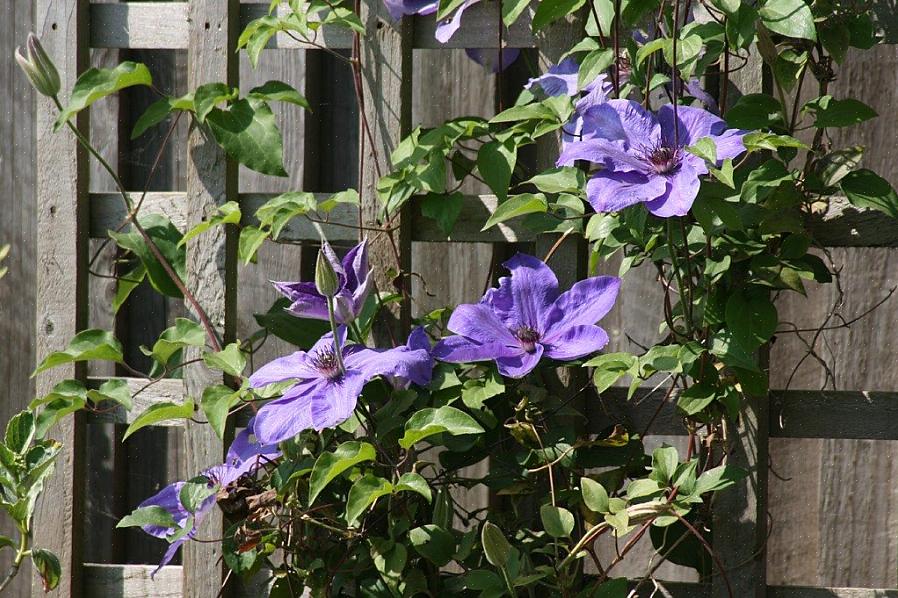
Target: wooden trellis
pixel 68 216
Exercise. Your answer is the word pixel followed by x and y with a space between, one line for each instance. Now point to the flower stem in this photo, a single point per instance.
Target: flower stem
pixel 338 351
pixel 21 553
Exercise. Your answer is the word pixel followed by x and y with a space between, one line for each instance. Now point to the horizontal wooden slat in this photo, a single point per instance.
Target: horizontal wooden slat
pixel 843 225
pixel 132 580
pixel 163 25
pixel 811 592
pixel 834 414
pixel 108 212
pixel 168 390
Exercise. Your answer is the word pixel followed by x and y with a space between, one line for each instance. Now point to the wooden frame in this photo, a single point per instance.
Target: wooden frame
pixel 208 29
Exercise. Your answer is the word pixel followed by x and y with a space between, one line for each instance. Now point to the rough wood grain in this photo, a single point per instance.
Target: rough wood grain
pixel 132 581
pixel 211 262
pixel 17 226
pixel 62 284
pixel 386 59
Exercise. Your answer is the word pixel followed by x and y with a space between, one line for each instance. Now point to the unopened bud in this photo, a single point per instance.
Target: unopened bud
pixel 38 67
pixel 326 280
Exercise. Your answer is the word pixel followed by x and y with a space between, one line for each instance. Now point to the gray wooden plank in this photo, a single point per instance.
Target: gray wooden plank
pixel 168 390
pixel 834 415
pixel 386 84
pixel 131 581
pixel 61 283
pixel 829 592
pixel 211 263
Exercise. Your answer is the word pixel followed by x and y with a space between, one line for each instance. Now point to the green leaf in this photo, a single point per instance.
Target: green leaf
pixel 19 431
pixel 595 497
pixel 251 239
pixel 160 412
pixel 278 91
pixel 865 189
pixel 444 209
pixel 496 162
pixel 564 179
pixel 227 213
pixel 696 397
pixel 594 63
pixel 512 9
pixel 229 360
pixel 433 543
pixel 54 411
pixel 751 317
pixel 167 238
pixel 756 111
pixel 730 7
pixel 792 18
pixel 301 332
pixel 478 390
pixel 642 488
pixel 95 84
pixel 329 465
pixel 430 421
pixel 126 284
pixel 216 403
pixel 609 368
pixel 838 113
pixel 414 482
pixel 725 346
pixel 99 345
pixel 247 131
pixel 152 515
pixel 194 493
pixel 557 521
pixel 613 588
pixel 718 478
pixel 363 493
pixel 664 463
pixel 208 96
pixel 517 205
pixel 495 547
pixel 152 116
pixel 549 11
pixel 47 566
pixel 183 334
pixel 114 390
pixel 705 149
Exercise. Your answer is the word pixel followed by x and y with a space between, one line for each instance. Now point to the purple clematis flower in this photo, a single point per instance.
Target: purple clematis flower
pixel 354 286
pixel 644 157
pixel 323 396
pixel 526 318
pixel 245 457
pixel 417 341
pixel 400 8
pixel 448 26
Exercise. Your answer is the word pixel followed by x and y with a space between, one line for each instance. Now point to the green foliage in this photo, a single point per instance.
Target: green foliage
pixel 95 84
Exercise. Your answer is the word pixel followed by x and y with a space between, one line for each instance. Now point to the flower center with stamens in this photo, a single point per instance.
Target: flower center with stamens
pixel 326 362
pixel 528 337
pixel 663 159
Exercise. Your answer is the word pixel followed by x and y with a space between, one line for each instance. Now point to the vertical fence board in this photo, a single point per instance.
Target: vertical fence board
pixel 62 284
pixel 211 260
pixel 386 58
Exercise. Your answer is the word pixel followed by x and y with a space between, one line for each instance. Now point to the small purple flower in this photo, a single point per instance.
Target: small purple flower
pixel 493 60
pixel 400 8
pixel 245 457
pixel 526 318
pixel 354 286
pixel 643 156
pixel 323 396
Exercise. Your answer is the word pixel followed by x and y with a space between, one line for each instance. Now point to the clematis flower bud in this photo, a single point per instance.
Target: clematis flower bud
pixel 326 280
pixel 38 67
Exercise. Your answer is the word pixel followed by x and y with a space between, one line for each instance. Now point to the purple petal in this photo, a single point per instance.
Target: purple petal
pixel 559 80
pixel 306 301
pixel 583 304
pixel 521 364
pixel 338 399
pixel 292 367
pixel 169 499
pixel 447 27
pixel 610 191
pixel 408 364
pixel 458 349
pixel 418 339
pixel 492 59
pixel 694 123
pixel 399 8
pixel 611 154
pixel 288 416
pixel 479 322
pixel 246 447
pixel 355 265
pixel 682 187
pixel 169 555
pixel 729 144
pixel 694 87
pixel 521 299
pixel 639 125
pixel 576 342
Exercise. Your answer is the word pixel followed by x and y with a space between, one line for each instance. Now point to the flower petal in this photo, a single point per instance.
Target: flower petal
pixel 168 556
pixel 639 126
pixel 295 366
pixel 521 364
pixel 682 188
pixel 729 144
pixel 338 400
pixel 520 300
pixel 584 304
pixel 458 349
pixel 576 342
pixel 246 447
pixel 610 191
pixel 560 79
pixel 169 499
pixel 479 322
pixel 409 364
pixel 447 27
pixel 306 302
pixel 288 416
pixel 399 8
pixel 611 154
pixel 355 265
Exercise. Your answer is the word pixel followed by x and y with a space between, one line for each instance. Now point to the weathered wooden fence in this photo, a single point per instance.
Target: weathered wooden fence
pixel 73 212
